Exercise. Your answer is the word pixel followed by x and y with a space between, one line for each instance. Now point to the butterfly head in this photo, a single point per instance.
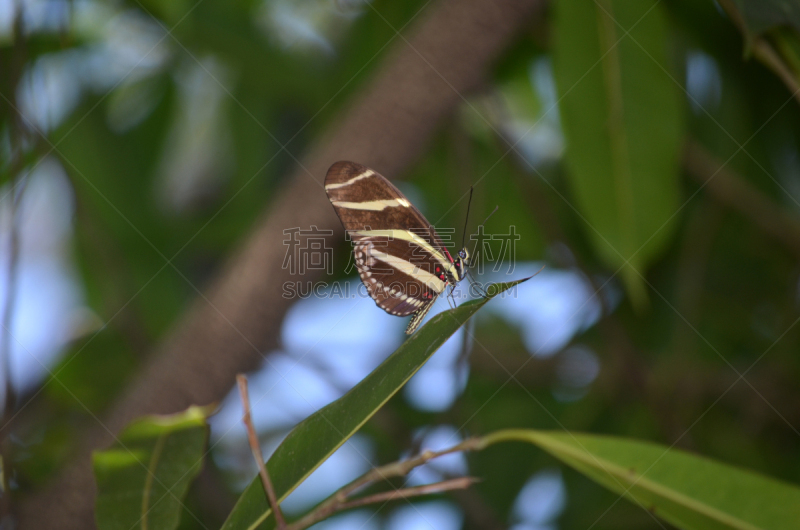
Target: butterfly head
pixel 461 263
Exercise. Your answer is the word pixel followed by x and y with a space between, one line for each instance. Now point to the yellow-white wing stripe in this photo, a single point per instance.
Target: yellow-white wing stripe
pixel 372 205
pixel 407 235
pixel 415 271
pixel 368 173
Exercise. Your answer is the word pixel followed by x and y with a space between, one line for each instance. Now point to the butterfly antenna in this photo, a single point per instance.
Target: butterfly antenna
pixel 491 214
pixel 464 233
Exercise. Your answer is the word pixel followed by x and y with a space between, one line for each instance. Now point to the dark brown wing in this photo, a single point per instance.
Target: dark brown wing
pixel 348 183
pixel 400 283
pixel 399 255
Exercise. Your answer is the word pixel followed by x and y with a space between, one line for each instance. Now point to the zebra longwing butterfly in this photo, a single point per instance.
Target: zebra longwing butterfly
pixel 399 256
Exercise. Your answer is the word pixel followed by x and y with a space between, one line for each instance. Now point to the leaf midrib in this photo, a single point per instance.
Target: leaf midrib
pixel 620 161
pixel 554 447
pixel 151 473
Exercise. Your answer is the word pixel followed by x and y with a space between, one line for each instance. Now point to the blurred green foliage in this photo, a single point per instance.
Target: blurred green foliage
pixel 143 477
pixel 721 293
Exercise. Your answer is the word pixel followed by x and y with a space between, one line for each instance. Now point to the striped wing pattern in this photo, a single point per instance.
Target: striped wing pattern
pixel 388 288
pixel 400 258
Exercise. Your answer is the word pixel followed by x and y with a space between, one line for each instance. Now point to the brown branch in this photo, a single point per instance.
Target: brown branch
pixel 327 510
pixel 765 53
pixel 339 501
pixel 17 184
pixel 737 193
pixel 458 483
pixel 255 447
pixel 403 467
pixel 239 315
pixel 763 50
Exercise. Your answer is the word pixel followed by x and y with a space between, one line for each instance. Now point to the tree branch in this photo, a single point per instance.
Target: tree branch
pixel 339 501
pixel 337 505
pixel 737 193
pixel 255 447
pixel 763 51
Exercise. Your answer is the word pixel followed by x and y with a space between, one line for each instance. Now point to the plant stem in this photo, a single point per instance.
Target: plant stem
pixel 732 190
pixel 339 501
pixel 327 509
pixel 403 467
pixel 17 184
pixel 241 380
pixel 457 483
pixel 763 51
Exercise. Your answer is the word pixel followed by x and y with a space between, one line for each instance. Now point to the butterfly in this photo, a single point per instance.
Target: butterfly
pixel 399 256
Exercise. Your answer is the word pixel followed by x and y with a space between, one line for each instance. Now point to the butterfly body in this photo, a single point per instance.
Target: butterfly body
pixel 400 258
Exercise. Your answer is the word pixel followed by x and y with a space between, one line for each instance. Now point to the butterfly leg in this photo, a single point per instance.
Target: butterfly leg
pixel 473 283
pixel 450 298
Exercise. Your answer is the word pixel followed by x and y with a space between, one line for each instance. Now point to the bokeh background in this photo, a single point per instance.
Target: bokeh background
pixel 153 153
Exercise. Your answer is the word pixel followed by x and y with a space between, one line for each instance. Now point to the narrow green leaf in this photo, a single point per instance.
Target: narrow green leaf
pixel 143 478
pixel 313 440
pixel 621 114
pixel 686 490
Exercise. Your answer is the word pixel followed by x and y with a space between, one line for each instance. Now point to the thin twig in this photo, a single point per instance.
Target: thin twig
pixel 763 51
pixel 325 510
pixel 458 483
pixel 9 309
pixel 339 501
pixel 280 522
pixel 734 191
pixel 17 185
pixel 403 467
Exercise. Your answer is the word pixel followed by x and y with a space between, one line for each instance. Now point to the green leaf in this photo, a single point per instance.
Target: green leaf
pixel 143 478
pixel 313 440
pixel 621 114
pixel 687 490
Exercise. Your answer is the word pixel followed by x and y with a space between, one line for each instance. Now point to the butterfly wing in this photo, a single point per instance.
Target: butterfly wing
pixel 399 256
pixel 397 286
